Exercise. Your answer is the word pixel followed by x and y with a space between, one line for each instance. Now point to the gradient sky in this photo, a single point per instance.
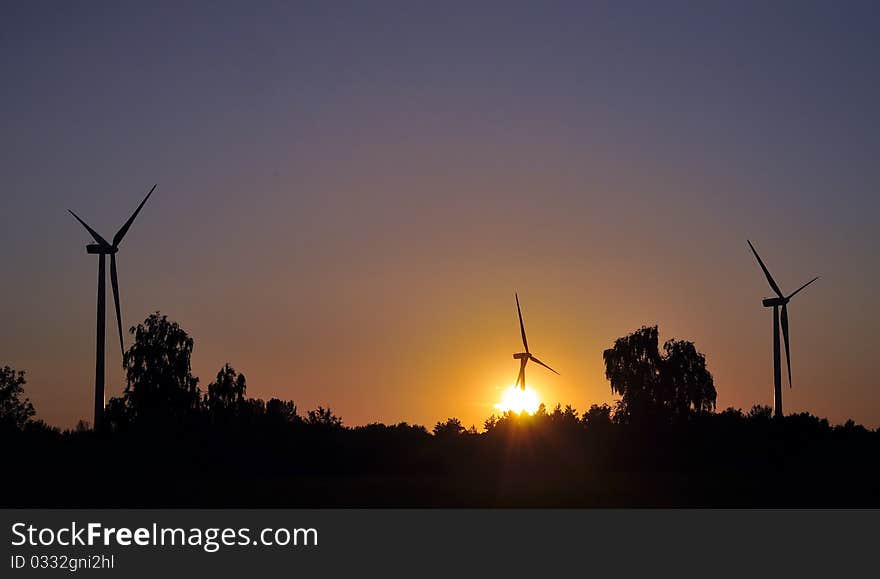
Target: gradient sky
pixel 350 194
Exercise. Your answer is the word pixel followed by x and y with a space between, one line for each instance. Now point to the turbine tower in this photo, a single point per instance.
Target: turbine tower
pixel 524 357
pixel 102 249
pixel 777 303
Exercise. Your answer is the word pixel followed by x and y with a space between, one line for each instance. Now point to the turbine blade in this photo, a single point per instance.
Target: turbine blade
pixel 770 279
pixel 522 327
pixel 802 287
pixel 784 323
pixel 114 281
pixel 124 229
pixel 521 378
pixel 533 359
pixel 97 238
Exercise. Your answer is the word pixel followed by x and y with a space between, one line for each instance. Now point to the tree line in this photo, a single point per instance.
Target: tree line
pixel 656 385
pixel 171 442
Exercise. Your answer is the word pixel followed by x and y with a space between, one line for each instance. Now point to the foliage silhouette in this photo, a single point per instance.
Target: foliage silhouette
pixel 452 427
pixel 323 418
pixel 225 400
pixel 160 386
pixel 15 411
pixel 655 386
pixel 168 446
pixel 227 392
pixel 598 416
pixel 281 412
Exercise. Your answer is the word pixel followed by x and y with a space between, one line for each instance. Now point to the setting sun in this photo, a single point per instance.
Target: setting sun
pixel 517 400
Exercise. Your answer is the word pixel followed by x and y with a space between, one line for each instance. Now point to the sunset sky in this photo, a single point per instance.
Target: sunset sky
pixel 350 193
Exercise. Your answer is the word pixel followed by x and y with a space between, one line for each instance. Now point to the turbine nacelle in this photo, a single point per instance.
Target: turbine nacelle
pixel 95 248
pixel 522 356
pixel 773 302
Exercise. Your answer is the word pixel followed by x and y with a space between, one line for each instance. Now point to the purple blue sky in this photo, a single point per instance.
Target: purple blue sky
pixel 350 193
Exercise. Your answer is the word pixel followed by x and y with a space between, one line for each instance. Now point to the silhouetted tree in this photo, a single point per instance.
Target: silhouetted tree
pixel 323 417
pixel 654 385
pixel 117 414
pixel 850 427
pixel 731 411
pixel 15 411
pixel 452 427
pixel 565 417
pixel 759 413
pixel 281 411
pixel 686 380
pixel 632 366
pixel 160 380
pixel 249 411
pixel 226 394
pixel 597 416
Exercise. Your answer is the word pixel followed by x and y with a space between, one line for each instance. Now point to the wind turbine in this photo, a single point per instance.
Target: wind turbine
pixel 524 357
pixel 102 248
pixel 780 301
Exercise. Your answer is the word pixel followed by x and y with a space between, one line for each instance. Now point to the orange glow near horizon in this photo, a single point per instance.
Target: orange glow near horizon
pixel 515 399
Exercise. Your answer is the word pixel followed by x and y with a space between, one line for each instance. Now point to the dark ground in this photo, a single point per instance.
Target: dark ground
pixel 715 461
